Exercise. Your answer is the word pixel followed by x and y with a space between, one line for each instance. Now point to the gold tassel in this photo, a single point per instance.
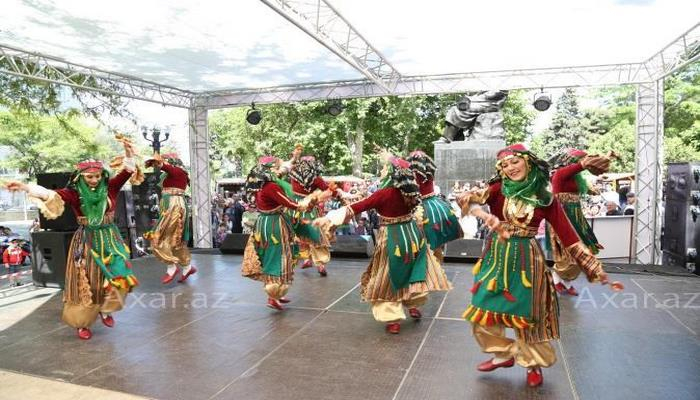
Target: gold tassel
pixel 477 268
pixel 257 237
pixel 414 247
pixel 492 285
pixel 523 278
pixel 274 239
pixel 397 251
pixel 485 318
pixel 426 221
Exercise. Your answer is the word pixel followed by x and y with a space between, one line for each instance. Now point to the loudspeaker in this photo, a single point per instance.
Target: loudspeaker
pixel 683 181
pixel 67 221
pixel 463 249
pixel 49 255
pixel 234 243
pixel 681 239
pixel 353 246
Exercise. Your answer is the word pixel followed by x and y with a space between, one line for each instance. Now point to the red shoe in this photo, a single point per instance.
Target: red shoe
pixel 572 291
pixel 415 313
pixel 167 278
pixel 488 366
pixel 192 271
pixel 84 333
pixel 561 289
pixel 393 327
pixel 272 303
pixel 322 270
pixel 108 320
pixel 307 264
pixel 534 377
pixel 284 300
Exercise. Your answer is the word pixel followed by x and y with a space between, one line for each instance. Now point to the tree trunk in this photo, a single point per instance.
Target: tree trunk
pixel 355 144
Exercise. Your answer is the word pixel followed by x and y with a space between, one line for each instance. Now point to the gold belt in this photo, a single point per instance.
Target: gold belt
pixel 107 219
pixel 173 191
pixel 425 196
pixel 519 231
pixel 395 220
pixel 567 197
pixel 275 210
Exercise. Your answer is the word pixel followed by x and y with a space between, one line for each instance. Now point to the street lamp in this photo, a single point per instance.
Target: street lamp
pixel 155 137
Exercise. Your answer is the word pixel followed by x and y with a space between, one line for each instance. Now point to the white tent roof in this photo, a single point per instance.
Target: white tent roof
pixel 218 45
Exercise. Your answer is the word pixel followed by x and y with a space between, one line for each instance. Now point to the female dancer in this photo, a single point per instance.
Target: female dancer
pixel 98 273
pixel 314 244
pixel 512 288
pixel 170 236
pixel 268 256
pixel 402 270
pixel 440 224
pixel 568 185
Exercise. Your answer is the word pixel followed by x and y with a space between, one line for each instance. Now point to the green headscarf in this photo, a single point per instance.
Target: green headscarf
pixel 532 190
pixel 93 203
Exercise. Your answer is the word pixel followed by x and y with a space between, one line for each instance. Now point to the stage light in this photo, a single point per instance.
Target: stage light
pixel 542 101
pixel 335 108
pixel 253 116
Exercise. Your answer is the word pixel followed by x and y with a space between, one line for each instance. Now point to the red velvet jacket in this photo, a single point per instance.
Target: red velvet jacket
pixel 318 183
pixel 177 177
pixel 272 196
pixel 553 213
pixel 114 185
pixel 563 179
pixel 388 202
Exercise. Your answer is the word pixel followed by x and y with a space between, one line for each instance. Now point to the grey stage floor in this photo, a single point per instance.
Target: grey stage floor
pixel 213 338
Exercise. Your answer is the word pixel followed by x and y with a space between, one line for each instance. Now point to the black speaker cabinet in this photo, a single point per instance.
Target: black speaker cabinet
pixel 683 181
pixel 463 249
pixel 234 243
pixel 67 221
pixel 49 255
pixel 681 239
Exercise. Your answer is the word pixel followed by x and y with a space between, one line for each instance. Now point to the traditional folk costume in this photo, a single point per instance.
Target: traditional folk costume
pixel 314 244
pixel 98 271
pixel 512 287
pixel 439 222
pixel 268 255
pixel 568 185
pixel 170 236
pixel 402 270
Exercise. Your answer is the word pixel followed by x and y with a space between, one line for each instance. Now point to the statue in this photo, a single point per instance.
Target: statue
pixel 476 117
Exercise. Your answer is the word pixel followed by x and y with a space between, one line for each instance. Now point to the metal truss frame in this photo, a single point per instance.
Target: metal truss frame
pixel 44 68
pixel 648 171
pixel 321 21
pixel 325 24
pixel 200 178
pixel 599 75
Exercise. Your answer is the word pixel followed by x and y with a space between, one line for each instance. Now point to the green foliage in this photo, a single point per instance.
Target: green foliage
pixel 517 117
pixel 345 144
pixel 47 144
pixel 620 139
pixel 565 130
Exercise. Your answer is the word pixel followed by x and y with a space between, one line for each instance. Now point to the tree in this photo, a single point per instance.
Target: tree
pixel 48 144
pixel 565 130
pixel 517 117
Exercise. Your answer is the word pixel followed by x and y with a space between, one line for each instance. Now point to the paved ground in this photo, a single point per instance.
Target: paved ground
pixel 213 338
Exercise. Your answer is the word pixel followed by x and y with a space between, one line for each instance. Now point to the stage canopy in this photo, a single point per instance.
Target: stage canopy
pixel 221 45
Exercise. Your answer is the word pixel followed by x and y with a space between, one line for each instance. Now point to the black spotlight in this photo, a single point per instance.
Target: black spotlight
pixel 542 101
pixel 253 116
pixel 335 108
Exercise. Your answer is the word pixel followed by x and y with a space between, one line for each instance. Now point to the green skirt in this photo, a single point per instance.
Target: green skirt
pixel 512 287
pixel 440 223
pixel 301 223
pixel 272 242
pixel 407 253
pixel 578 220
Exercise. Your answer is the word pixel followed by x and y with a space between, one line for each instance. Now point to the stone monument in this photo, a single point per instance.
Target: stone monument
pixel 472 136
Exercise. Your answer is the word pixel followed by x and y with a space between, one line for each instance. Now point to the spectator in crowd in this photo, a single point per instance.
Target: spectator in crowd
pixel 610 195
pixel 631 200
pixel 221 233
pixel 362 228
pixel 612 208
pixel 226 221
pixel 622 196
pixel 236 215
pixel 13 258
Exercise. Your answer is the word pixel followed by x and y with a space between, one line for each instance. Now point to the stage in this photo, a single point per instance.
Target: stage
pixel 213 338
